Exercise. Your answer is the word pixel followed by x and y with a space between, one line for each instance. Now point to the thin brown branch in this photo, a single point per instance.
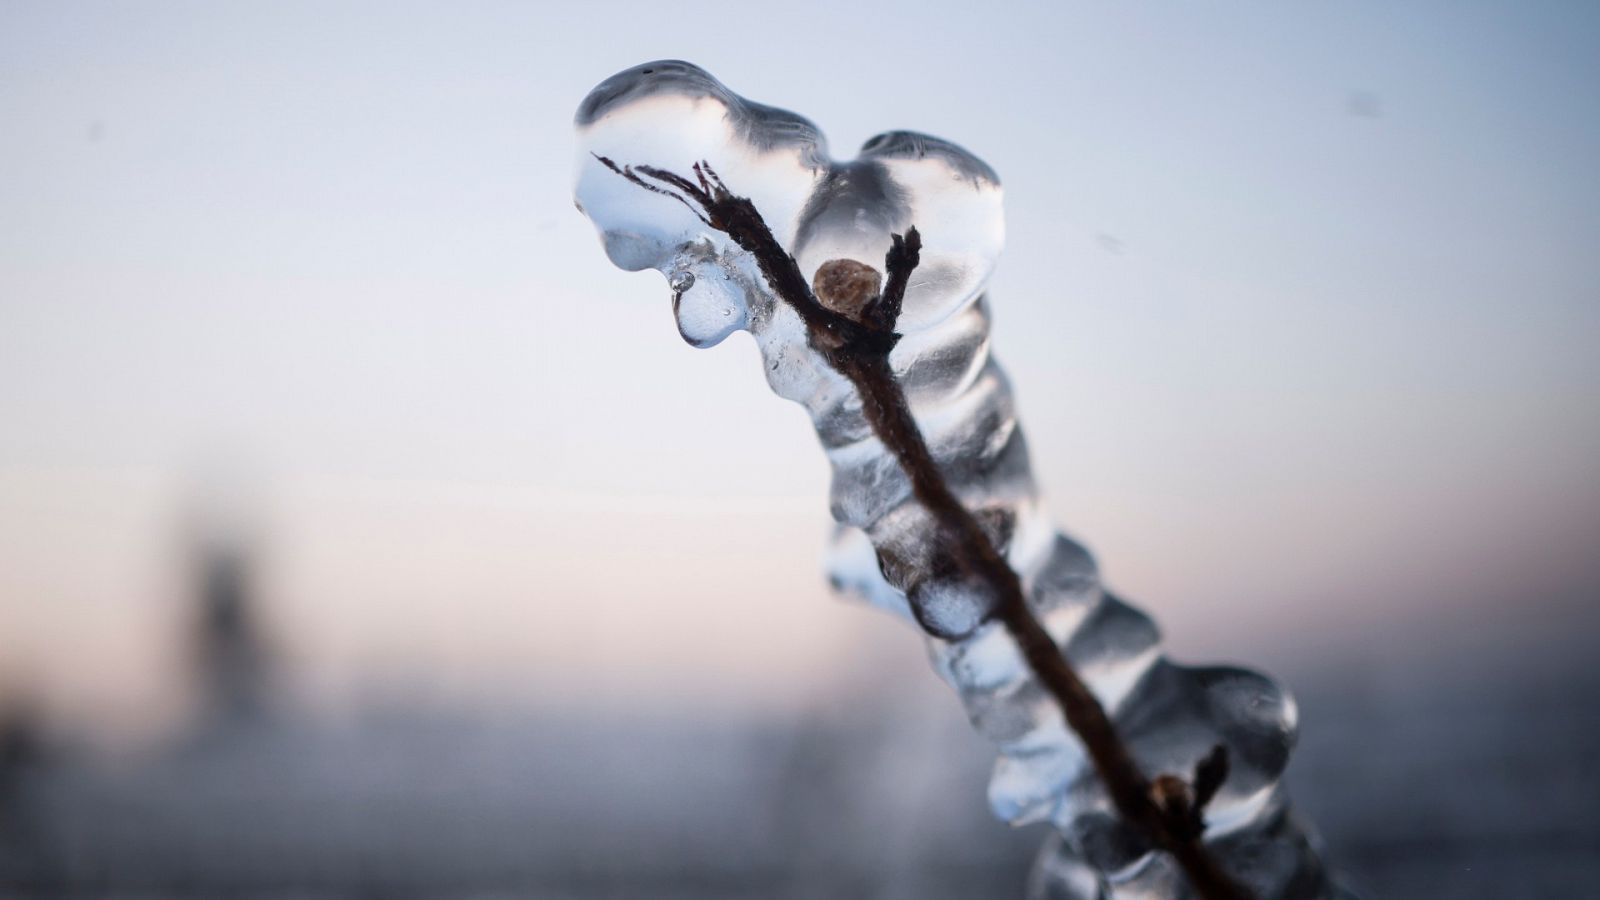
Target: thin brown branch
pixel 1168 811
pixel 628 173
pixel 904 254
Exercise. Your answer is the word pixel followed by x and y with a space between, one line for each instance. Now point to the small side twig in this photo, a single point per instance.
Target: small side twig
pixel 1168 811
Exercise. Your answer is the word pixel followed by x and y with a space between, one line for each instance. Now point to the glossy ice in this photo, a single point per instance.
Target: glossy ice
pixel 671 115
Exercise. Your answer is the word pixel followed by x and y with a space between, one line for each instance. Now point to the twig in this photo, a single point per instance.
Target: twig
pixel 1167 811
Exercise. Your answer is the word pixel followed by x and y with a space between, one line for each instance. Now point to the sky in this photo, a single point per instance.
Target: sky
pixel 1299 300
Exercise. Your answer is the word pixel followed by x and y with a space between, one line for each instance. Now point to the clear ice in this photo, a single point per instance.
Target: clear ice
pixel 672 114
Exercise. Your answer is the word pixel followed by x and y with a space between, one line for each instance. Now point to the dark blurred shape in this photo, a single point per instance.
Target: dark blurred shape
pixel 20 744
pixel 233 671
pixel 23 756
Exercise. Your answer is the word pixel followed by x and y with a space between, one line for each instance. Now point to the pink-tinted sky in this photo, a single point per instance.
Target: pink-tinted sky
pixel 1301 304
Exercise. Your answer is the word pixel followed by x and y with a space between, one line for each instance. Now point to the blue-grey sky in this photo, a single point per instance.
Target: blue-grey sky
pixel 1301 302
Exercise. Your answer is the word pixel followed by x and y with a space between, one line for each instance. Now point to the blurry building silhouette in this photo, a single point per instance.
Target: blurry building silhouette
pixel 232 667
pixel 1428 779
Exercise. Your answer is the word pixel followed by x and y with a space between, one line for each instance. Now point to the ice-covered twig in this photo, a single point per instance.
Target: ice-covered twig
pixel 939 517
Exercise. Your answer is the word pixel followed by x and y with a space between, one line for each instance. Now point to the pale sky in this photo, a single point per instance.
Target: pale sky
pixel 1300 301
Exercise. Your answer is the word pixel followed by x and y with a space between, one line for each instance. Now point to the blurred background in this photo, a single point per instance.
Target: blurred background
pixel 364 533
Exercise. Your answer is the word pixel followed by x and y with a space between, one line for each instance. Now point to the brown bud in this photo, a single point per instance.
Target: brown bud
pixel 1169 792
pixel 847 287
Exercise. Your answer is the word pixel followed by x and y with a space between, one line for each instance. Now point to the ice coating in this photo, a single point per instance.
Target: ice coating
pixel 671 115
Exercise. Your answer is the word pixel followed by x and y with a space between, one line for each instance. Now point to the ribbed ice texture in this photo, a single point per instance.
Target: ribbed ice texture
pixel 673 114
